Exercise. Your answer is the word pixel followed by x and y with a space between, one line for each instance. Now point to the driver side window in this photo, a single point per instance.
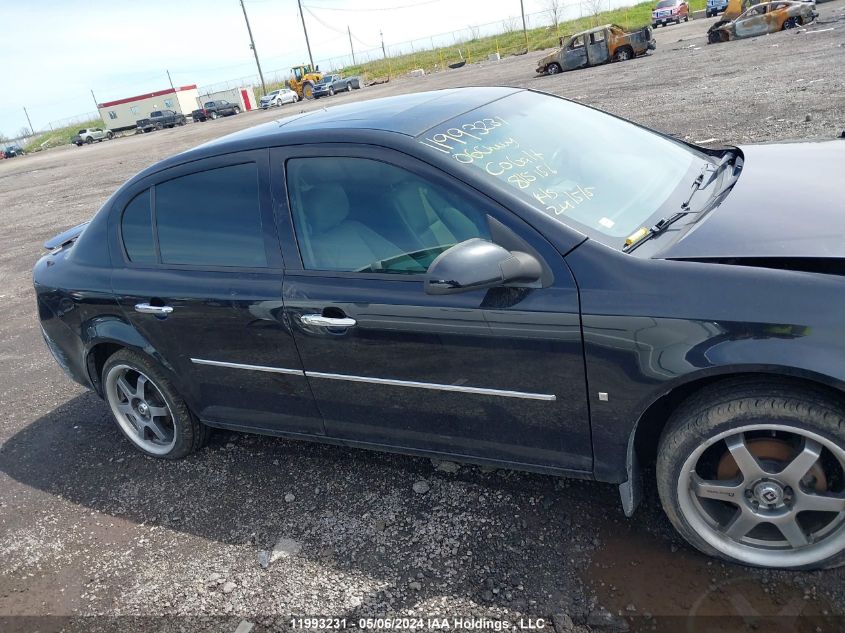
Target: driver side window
pixel 363 215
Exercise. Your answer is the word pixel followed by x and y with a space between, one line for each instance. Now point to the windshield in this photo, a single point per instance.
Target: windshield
pixel 601 175
pixel 663 4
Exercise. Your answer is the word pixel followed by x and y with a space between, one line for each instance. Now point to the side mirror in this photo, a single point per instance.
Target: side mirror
pixel 476 264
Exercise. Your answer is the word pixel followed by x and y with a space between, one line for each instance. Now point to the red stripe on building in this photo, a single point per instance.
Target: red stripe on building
pixel 148 95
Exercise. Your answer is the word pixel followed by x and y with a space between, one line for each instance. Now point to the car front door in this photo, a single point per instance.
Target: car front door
pixel 198 273
pixel 492 374
pixel 752 22
pixel 575 55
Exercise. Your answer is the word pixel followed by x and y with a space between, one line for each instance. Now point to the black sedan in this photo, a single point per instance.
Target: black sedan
pixel 491 275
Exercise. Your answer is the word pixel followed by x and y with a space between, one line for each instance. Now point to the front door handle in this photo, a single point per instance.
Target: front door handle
pixel 322 321
pixel 146 308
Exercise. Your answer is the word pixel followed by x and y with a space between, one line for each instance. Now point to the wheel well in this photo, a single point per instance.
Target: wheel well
pixel 97 357
pixel 654 419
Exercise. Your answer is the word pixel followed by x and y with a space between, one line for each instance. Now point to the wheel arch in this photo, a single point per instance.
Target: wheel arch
pixel 655 414
pixel 104 336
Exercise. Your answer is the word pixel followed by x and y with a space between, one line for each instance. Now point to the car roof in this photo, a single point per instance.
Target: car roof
pixel 594 29
pixel 408 114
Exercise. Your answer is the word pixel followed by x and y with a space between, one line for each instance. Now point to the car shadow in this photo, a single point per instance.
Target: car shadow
pixel 354 510
pixel 506 539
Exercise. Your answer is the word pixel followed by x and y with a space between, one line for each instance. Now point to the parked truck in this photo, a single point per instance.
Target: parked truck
pixel 331 84
pixel 214 109
pixel 600 45
pixel 160 119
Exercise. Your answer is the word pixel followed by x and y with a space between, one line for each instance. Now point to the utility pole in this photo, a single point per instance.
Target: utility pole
pixel 31 129
pixel 304 30
pixel 352 48
pixel 252 46
pixel 96 103
pixel 170 80
pixel 383 52
pixel 524 26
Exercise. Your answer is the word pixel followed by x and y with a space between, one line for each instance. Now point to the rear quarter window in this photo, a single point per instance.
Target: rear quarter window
pixel 137 230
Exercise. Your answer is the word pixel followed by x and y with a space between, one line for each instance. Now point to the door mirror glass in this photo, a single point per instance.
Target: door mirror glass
pixel 476 264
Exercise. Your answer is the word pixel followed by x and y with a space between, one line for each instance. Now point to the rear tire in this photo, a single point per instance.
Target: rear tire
pixel 751 471
pixel 147 408
pixel 110 135
pixel 237 110
pixel 623 54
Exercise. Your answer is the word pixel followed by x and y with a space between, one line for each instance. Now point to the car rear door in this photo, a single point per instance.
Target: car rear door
pixel 597 48
pixel 198 273
pixel 494 374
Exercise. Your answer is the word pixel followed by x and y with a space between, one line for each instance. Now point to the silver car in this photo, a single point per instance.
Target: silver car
pixel 278 97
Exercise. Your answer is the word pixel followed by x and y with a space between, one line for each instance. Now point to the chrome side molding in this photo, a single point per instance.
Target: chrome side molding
pixel 483 391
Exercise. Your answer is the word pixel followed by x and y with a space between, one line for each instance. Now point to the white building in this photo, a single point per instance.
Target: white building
pixel 124 113
pixel 243 96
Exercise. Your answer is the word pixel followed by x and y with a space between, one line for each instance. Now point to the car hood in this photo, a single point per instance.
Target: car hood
pixel 787 203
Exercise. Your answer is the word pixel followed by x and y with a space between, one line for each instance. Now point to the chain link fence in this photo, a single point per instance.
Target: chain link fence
pixel 435 52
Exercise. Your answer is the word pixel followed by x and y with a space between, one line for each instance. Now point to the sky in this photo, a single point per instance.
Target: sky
pixel 53 53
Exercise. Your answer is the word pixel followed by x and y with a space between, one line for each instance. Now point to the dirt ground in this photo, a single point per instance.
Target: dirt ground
pixel 88 527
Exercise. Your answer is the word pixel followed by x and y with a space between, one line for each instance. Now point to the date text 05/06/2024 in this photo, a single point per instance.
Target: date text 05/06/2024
pixel 411 624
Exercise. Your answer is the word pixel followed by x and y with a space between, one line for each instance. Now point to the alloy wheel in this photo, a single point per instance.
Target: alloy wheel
pixel 769 495
pixel 140 409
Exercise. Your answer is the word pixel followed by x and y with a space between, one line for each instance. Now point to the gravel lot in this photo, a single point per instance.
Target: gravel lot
pixel 259 529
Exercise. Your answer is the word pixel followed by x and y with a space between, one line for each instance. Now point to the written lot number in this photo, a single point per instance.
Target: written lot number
pixel 474 625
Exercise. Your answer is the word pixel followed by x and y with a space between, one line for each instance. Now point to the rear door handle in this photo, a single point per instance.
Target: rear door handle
pixel 146 308
pixel 322 321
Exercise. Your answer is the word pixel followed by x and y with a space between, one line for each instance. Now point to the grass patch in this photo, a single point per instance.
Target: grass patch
pixel 60 136
pixel 506 43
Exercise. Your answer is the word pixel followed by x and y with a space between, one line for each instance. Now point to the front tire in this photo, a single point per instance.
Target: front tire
pixel 148 409
pixel 754 472
pixel 553 68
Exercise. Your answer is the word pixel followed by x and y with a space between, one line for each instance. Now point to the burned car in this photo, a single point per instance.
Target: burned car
pixel 595 46
pixel 489 275
pixel 764 18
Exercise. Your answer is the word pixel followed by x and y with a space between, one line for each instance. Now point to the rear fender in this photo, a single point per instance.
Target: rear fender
pixel 114 330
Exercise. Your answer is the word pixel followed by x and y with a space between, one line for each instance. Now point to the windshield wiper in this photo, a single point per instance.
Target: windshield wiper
pixel 706 176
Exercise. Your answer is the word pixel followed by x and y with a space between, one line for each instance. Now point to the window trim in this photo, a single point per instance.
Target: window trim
pixel 269 228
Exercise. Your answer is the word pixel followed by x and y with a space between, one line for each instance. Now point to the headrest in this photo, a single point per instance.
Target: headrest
pixel 326 206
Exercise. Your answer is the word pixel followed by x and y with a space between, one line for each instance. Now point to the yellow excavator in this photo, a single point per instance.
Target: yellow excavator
pixel 303 79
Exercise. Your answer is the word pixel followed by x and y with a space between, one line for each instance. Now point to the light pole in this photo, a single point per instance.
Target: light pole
pixel 304 30
pixel 252 46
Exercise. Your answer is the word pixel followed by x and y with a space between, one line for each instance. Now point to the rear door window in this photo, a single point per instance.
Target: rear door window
pixel 211 218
